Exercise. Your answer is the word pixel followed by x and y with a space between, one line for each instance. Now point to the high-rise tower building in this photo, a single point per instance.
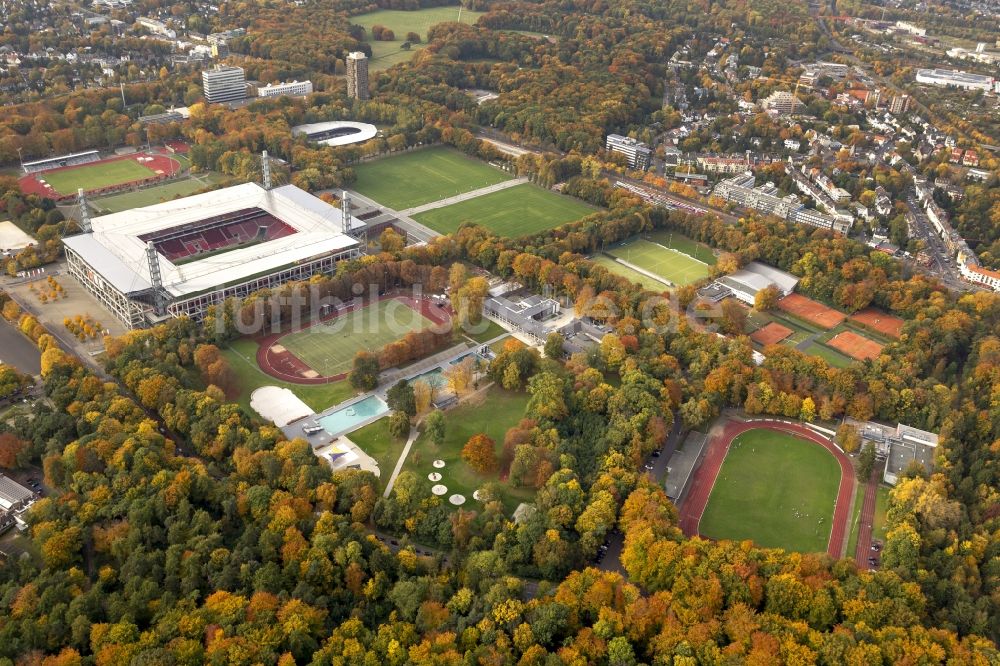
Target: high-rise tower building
pixel 357 75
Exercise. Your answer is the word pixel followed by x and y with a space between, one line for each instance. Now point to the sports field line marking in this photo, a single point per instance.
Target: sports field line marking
pixel 692 258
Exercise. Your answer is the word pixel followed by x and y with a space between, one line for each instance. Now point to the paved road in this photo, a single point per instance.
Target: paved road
pixel 414 229
pixel 458 198
pixel 18 351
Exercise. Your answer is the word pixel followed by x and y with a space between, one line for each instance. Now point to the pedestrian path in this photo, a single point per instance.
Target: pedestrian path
pixel 458 198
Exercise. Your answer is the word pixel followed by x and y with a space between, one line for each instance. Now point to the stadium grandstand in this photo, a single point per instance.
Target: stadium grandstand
pixel 180 257
pixel 337 132
pixel 73 159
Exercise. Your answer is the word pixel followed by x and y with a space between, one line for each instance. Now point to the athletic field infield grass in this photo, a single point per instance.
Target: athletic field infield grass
pixel 329 348
pixel 629 273
pixel 422 176
pixel 242 357
pixel 516 211
pixel 775 489
pixel 95 176
pixel 673 265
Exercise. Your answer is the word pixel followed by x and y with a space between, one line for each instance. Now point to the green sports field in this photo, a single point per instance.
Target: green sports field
pixel 775 489
pixel 513 212
pixel 95 176
pixel 153 195
pixel 682 243
pixel 629 273
pixel 673 265
pixel 329 348
pixel 422 176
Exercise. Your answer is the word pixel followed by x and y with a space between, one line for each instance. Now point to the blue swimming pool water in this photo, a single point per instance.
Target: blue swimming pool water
pixel 344 419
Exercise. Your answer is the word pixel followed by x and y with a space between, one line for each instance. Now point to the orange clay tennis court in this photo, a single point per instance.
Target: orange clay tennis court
pixel 811 311
pixel 879 321
pixel 770 334
pixel 856 346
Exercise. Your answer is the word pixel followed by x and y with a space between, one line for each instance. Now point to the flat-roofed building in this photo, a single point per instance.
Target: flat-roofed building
pixel 224 84
pixel 955 78
pixel 291 89
pixel 756 276
pixel 638 154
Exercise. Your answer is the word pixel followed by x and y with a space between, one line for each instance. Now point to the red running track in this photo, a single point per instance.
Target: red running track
pixel 866 522
pixel 704 478
pixel 163 167
pixel 289 368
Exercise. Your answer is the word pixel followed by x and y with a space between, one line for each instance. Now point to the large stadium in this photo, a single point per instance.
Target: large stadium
pixel 337 132
pixel 180 257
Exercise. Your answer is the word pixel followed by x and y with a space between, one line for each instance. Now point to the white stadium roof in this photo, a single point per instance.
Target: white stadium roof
pixel 115 249
pixel 357 132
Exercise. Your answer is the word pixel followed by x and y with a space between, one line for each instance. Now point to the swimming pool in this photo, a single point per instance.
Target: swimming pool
pixel 434 378
pixel 344 419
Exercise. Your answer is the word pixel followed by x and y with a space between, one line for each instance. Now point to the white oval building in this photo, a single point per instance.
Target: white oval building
pixel 337 132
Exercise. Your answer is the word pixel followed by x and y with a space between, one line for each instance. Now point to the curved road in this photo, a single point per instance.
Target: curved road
pixel 706 474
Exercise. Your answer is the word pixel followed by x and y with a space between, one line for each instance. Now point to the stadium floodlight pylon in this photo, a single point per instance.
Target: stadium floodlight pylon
pixel 265 166
pixel 85 225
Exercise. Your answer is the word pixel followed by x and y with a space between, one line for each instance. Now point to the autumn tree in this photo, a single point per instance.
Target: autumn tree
pixel 401 398
pixel 434 427
pixel 364 373
pixel 480 453
pixel 766 299
pixel 399 425
pixel 554 346
pixel 848 438
pixel 391 241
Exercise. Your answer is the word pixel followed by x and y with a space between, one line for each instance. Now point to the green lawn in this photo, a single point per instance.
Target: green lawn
pixel 629 273
pixel 421 176
pixel 242 356
pixel 493 414
pixel 831 356
pixel 775 489
pixel 491 330
pixel 682 243
pixel 673 265
pixel 330 347
pixel 513 212
pixel 387 54
pixel 95 176
pixel 375 440
pixel 149 196
pixel 859 499
pixel 881 505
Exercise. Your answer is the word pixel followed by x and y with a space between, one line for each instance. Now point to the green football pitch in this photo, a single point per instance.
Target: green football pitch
pixel 513 212
pixel 670 264
pixel 775 489
pixel 149 196
pixel 329 348
pixel 95 176
pixel 629 273
pixel 422 176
